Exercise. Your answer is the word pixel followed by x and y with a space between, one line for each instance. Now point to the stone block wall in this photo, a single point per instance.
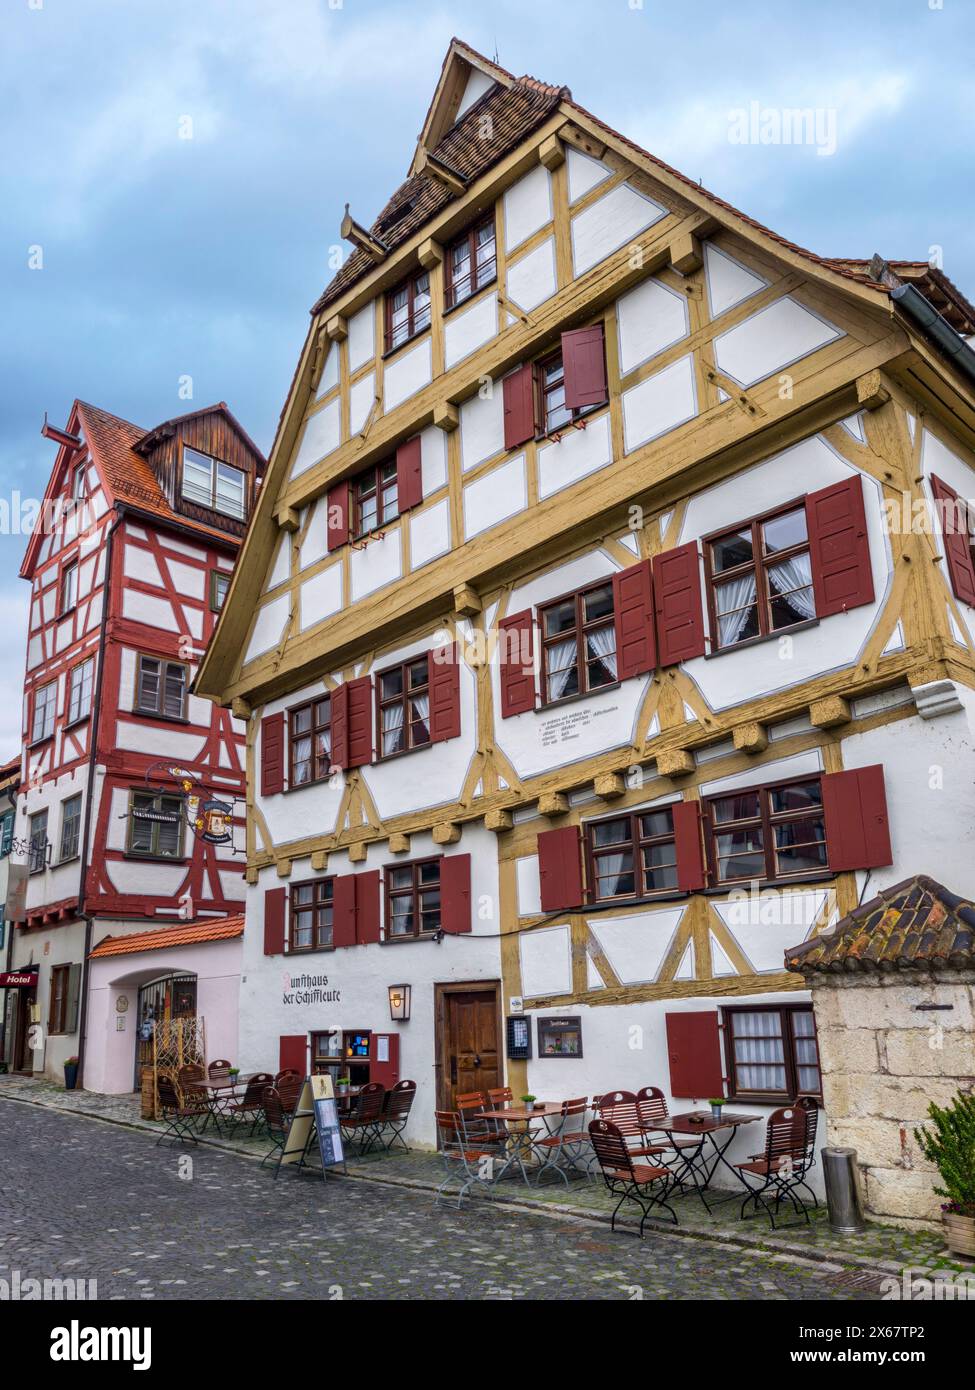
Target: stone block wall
pixel 884 1059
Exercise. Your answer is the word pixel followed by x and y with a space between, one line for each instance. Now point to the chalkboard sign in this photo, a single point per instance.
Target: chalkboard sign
pixel 327 1122
pixel 518 1034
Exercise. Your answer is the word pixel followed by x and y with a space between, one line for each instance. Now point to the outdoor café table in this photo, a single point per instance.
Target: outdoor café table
pixel 520 1140
pixel 217 1091
pixel 695 1165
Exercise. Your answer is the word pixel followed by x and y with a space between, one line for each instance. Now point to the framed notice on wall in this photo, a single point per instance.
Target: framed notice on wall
pixel 518 1035
pixel 560 1037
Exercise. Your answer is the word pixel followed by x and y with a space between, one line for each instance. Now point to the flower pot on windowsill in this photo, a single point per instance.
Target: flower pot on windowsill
pixel 71 1073
pixel 959 1232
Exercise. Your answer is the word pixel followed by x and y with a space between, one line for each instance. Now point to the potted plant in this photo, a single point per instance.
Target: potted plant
pixel 70 1073
pixel 950 1146
pixel 233 1073
pixel 529 1102
pixel 342 1085
pixel 716 1103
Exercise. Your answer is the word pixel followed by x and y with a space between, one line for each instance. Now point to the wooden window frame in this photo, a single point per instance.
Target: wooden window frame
pixel 758 565
pixel 580 630
pixel 766 819
pixel 478 280
pixel 34 841
pixel 370 478
pixel 408 693
pixel 77 671
pixel 159 712
pixel 543 430
pixel 389 893
pixel 785 1012
pixel 215 464
pixel 80 471
pixel 76 850
pixel 71 567
pixel 636 843
pixel 215 577
pixel 154 854
pixel 52 705
pixel 323 890
pixel 57 1008
pixel 409 283
pixel 315 727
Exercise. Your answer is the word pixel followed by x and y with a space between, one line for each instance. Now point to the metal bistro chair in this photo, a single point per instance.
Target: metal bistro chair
pixel 652 1110
pixel 647 1185
pixel 469 1165
pixel 620 1108
pixel 396 1113
pixel 565 1149
pixel 251 1106
pixel 790 1153
pixel 180 1115
pixel 365 1120
pixel 488 1136
pixel 277 1122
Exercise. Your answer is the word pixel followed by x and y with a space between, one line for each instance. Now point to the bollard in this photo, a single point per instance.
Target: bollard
pixel 843 1196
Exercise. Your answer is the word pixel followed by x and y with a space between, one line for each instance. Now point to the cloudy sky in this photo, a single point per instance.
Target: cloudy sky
pixel 165 256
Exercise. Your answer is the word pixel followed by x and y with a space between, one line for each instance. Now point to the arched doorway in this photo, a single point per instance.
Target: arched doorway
pixel 160 1000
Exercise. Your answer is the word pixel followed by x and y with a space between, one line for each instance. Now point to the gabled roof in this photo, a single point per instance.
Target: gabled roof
pixel 194 934
pixel 914 925
pixel 118 447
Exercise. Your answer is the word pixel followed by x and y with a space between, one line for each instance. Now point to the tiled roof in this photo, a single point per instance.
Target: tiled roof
pixel 128 476
pixel 194 934
pixel 913 925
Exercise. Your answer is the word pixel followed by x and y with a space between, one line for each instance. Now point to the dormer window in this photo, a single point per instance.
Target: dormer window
pixel 407 310
pixel 208 482
pixel 471 262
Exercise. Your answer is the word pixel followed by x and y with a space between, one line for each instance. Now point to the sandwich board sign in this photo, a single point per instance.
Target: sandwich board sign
pixel 315 1113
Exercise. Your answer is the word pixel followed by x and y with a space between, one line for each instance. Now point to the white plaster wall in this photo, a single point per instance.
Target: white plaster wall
pixel 362 398
pixel 495 496
pixel 477 84
pixel 482 427
pixel 269 626
pixel 731 676
pixel 466 329
pixel 659 403
pixel 407 373
pixel 319 437
pixel 61 945
pixel 362 338
pixel 377 564
pixel 584 172
pixel 313 548
pixel 321 596
pixel 330 372
pixel 433 459
pixel 773 338
pixel 728 282
pixel 527 206
pixel 650 318
pixel 429 533
pixel 610 223
pixel 532 279
pixel 578 453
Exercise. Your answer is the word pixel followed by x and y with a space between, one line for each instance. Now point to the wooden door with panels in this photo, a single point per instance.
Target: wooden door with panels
pixel 468 1041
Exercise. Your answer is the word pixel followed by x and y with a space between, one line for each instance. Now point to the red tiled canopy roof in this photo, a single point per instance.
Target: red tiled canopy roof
pixel 193 934
pixel 914 925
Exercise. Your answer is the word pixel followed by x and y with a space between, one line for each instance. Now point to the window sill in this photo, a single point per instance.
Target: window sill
pixel 762 637
pixel 312 782
pixel 402 752
pixel 156 714
pixel 407 342
pixel 40 742
pixel 580 695
pixel 746 1098
pixel 471 298
pixel 71 859
pixel 735 885
pixel 675 895
pixel 155 858
pixel 308 951
pixel 82 719
pixel 409 940
pixel 555 436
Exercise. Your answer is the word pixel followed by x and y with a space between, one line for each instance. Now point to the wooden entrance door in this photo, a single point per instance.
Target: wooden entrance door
pixel 469 1051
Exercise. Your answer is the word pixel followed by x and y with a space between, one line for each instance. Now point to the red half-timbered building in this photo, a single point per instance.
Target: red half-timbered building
pixel 129 562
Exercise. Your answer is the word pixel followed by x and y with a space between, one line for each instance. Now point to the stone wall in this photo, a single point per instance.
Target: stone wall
pixel 884 1059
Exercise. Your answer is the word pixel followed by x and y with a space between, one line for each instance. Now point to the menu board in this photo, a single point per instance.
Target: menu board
pixel 327 1122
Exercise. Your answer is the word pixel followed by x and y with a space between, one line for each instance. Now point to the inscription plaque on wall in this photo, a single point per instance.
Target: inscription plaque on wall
pixel 565 728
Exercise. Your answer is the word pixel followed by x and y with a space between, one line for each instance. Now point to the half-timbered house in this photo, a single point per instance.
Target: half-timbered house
pixel 129 563
pixel 599 629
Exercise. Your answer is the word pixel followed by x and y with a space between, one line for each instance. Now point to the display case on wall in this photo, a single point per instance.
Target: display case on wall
pixel 358 1053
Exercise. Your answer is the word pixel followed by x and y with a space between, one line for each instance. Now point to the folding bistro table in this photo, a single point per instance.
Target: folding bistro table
pixel 217 1091
pixel 520 1140
pixel 697 1164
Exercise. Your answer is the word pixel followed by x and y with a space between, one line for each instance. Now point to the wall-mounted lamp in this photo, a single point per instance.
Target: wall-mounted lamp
pixel 399 1003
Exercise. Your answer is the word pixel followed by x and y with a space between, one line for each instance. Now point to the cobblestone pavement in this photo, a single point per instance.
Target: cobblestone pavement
pixel 83 1200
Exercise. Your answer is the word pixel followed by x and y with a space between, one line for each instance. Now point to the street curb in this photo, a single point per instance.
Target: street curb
pixel 555 1210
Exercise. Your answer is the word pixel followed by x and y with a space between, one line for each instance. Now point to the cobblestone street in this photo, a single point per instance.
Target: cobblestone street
pixel 84 1200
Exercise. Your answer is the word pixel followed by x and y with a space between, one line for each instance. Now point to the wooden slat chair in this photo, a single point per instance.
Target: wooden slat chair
pixel 190 1072
pixel 620 1109
pixel 251 1105
pixel 277 1120
pixel 498 1098
pixel 364 1122
pixel 652 1109
pixel 790 1153
pixel 181 1116
pixel 566 1149
pixel 286 1077
pixel 219 1068
pixel 288 1087
pixel 396 1113
pixel 467 1164
pixel 649 1185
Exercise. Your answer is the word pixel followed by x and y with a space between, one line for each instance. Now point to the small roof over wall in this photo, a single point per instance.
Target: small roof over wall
pixel 916 924
pixel 193 934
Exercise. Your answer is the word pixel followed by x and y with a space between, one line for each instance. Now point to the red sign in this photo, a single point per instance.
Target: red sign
pixel 11 979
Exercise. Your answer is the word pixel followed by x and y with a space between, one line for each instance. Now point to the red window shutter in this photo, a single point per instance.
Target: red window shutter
pixel 694 1049
pixel 519 406
pixel 337 515
pixel 687 842
pixel 838 547
pixel 636 642
pixel 958 548
pixel 444 693
pixel 366 906
pixel 584 367
pixel 360 721
pixel 677 603
pixel 272 754
pixel 855 810
pixel 516 640
pixel 293 1053
pixel 409 478
pixel 340 726
pixel 274 909
pixel 386 1073
pixel 343 910
pixel 560 868
pixel 455 893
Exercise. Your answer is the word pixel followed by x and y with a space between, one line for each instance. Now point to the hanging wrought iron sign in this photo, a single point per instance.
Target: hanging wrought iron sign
pixel 210 818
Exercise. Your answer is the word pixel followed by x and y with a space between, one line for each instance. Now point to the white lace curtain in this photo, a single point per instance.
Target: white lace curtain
pixel 421 714
pixel 392 728
pixel 793 579
pixel 759 1058
pixel 560 667
pixel 738 597
pixel 602 643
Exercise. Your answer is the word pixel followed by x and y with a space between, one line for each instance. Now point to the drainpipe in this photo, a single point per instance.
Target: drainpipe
pixel 89 800
pixel 935 327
